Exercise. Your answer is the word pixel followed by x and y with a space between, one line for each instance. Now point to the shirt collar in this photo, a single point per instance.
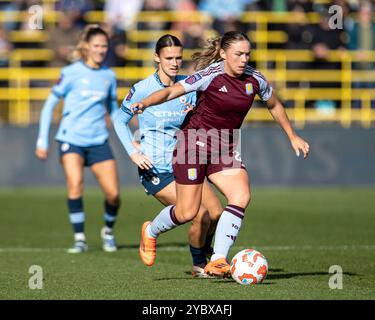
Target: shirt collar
pixel 159 81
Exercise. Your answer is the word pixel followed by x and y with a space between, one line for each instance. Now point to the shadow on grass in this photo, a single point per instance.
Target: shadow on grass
pixel 160 245
pixel 269 277
pixel 206 280
pixel 302 274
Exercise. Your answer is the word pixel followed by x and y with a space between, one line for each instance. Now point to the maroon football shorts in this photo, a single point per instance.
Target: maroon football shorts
pixel 194 159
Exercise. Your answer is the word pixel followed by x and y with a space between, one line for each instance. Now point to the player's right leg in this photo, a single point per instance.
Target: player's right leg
pixel 73 164
pixel 197 231
pixel 186 209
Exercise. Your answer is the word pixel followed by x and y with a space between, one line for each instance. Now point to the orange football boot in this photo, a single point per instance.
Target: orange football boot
pixel 218 268
pixel 147 247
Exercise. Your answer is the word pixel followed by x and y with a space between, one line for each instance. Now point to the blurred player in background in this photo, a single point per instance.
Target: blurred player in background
pixel 89 92
pixel 227 87
pixel 157 141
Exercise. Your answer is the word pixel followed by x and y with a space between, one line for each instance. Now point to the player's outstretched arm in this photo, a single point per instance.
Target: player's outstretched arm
pixel 278 113
pixel 159 97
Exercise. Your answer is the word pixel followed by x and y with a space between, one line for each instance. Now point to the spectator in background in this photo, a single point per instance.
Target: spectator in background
pixel 76 10
pixel 300 31
pixel 325 39
pixel 28 37
pixel 283 5
pixel 10 11
pixel 306 5
pixel 155 5
pixel 62 40
pixel 226 13
pixel 299 38
pixel 362 34
pixel 362 39
pixel 120 14
pixel 5 48
pixel 192 32
pixel 160 25
pixel 116 56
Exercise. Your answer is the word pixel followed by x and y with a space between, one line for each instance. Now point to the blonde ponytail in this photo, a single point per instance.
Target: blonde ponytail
pixel 209 54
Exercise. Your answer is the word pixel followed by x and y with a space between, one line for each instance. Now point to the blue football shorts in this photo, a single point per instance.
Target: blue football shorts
pixel 91 155
pixel 154 181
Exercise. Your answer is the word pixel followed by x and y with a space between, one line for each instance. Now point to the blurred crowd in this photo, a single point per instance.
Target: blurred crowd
pixel 357 32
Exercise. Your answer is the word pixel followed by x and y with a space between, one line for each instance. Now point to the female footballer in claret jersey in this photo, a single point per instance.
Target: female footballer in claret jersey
pixel 226 88
pixel 89 92
pixel 158 126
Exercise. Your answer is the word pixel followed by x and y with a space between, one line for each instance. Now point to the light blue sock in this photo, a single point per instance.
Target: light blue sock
pixel 164 221
pixel 227 230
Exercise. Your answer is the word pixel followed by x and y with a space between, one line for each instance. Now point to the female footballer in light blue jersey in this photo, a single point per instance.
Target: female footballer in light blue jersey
pixel 158 128
pixel 89 92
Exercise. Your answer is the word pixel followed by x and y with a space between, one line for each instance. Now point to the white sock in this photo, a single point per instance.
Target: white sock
pixel 227 230
pixel 164 221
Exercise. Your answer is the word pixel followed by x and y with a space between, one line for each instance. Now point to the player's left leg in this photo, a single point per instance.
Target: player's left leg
pixel 213 205
pixel 234 184
pixel 106 174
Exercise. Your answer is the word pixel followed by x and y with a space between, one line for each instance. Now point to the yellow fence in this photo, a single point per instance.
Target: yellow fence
pixel 19 94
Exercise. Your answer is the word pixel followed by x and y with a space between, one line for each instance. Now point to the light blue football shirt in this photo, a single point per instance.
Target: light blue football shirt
pixel 88 93
pixel 157 125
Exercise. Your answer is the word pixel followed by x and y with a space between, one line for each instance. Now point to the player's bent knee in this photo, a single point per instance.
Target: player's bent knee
pixel 215 213
pixel 242 200
pixel 185 216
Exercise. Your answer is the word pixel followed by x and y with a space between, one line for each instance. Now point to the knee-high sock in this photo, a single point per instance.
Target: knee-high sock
pixel 164 221
pixel 227 230
pixel 77 217
pixel 110 215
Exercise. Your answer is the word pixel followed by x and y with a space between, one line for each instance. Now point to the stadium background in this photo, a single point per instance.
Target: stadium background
pixel 324 76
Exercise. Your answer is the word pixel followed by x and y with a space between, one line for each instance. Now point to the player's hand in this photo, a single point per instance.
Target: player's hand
pixel 137 108
pixel 299 144
pixel 41 154
pixel 188 107
pixel 141 160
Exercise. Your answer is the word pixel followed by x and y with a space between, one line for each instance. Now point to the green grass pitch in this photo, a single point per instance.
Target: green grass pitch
pixel 301 231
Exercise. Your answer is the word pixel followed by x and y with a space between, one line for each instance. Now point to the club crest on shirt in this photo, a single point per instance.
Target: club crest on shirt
pixel 192 174
pixel 193 78
pixel 249 88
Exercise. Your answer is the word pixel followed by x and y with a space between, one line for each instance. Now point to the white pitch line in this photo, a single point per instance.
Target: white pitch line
pixel 186 248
